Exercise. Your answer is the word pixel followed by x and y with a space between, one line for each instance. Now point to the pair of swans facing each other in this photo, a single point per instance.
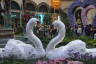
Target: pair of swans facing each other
pixel 20 50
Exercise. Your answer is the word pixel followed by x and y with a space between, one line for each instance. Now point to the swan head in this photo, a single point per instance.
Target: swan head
pixel 58 24
pixel 33 22
pixel 55 25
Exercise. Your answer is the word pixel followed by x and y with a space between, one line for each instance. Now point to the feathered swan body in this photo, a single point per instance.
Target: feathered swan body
pixel 63 51
pixel 20 50
pixel 91 52
pixel 13 49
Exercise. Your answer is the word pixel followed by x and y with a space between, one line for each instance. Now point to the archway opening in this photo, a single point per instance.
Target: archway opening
pixel 30 7
pixel 15 5
pixel 15 15
pixel 78 19
pixel 91 13
pixel 43 7
pixel 77 14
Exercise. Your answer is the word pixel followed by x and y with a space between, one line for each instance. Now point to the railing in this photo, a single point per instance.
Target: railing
pixel 6 33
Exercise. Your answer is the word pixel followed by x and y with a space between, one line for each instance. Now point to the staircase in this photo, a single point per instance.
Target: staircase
pixel 6 33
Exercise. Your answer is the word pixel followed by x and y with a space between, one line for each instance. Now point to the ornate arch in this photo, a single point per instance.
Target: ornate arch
pixel 79 3
pixel 84 13
pixel 43 7
pixel 71 10
pixel 15 5
pixel 77 14
pixel 30 5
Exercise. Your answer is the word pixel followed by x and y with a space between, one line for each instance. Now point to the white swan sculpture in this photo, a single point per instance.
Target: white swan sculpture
pixel 92 52
pixel 63 51
pixel 13 49
pixel 20 50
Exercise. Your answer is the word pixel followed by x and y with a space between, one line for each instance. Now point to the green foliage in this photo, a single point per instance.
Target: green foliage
pixel 88 40
pixel 48 19
pixel 64 18
pixel 92 42
pixel 92 61
pixel 18 61
pixel 84 38
pixel 19 31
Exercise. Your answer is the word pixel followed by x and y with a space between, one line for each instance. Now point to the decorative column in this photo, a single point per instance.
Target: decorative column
pixel 8 13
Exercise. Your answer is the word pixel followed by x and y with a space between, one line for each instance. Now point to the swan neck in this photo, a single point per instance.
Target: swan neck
pixel 32 37
pixel 56 40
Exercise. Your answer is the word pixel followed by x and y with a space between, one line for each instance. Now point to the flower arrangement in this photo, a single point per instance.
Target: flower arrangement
pixel 60 61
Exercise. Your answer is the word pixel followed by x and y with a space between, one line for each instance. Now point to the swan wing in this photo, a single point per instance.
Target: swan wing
pixel 29 51
pixel 77 46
